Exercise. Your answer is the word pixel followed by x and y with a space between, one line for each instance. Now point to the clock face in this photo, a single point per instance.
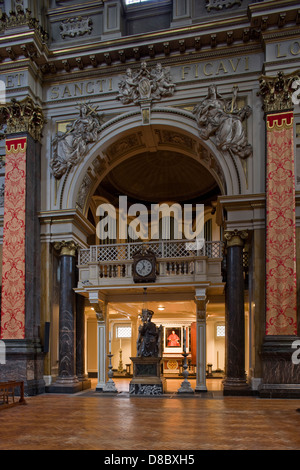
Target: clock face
pixel 143 267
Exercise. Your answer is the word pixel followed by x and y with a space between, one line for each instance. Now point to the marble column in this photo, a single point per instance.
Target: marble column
pixel 201 300
pixel 67 381
pixel 80 342
pixel 235 382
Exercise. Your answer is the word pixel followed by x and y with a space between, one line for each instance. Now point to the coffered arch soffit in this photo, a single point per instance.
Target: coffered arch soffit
pixel 124 137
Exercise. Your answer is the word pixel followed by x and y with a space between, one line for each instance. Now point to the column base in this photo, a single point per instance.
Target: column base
pixel 236 387
pixel 200 388
pixel 65 385
pixel 85 382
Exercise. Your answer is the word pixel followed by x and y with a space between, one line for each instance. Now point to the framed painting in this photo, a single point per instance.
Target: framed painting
pixel 173 339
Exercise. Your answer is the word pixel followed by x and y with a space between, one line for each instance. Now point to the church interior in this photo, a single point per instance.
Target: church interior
pixel 150 221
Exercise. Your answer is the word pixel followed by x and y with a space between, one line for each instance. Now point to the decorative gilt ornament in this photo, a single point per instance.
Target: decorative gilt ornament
pixel 236 237
pixel 66 248
pixel 277 92
pixel 220 119
pixel 22 116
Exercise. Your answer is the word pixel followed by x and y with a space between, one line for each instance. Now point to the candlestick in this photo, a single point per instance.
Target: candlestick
pixel 110 386
pixel 184 340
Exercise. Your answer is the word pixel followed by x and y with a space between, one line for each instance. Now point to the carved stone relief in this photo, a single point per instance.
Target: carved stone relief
pixel 83 191
pixel 146 84
pixel 128 143
pixel 72 27
pixel 69 148
pixel 221 120
pixel 220 4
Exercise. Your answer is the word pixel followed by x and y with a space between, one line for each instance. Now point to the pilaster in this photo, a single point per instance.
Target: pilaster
pixel 100 308
pixel 20 306
pixel 201 301
pixel 280 376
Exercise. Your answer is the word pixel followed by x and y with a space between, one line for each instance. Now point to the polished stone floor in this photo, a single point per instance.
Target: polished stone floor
pixel 89 421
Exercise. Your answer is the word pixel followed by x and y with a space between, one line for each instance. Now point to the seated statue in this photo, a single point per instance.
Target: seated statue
pixel 149 338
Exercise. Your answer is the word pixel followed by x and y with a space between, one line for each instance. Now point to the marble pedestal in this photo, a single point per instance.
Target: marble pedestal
pixel 147 378
pixel 24 362
pixel 280 373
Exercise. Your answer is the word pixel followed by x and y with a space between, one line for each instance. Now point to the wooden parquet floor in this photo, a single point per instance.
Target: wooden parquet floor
pixel 80 422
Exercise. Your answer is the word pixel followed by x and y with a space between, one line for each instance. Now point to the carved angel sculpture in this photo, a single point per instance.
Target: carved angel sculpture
pixel 70 147
pixel 222 119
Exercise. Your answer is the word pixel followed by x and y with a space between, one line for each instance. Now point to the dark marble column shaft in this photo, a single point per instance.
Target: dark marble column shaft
pixel 235 376
pixel 67 381
pixel 67 312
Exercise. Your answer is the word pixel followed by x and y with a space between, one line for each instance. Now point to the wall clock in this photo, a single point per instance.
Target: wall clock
pixel 144 267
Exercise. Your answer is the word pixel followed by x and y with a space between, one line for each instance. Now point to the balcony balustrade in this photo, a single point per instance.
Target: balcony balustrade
pixel 177 262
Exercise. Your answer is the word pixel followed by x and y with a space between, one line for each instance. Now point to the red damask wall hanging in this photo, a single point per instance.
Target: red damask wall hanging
pixel 13 270
pixel 281 289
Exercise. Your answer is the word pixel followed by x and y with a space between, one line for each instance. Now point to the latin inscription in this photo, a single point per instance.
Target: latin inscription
pixel 292 49
pixel 180 74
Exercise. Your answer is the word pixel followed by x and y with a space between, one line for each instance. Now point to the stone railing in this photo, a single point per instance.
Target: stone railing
pixel 177 261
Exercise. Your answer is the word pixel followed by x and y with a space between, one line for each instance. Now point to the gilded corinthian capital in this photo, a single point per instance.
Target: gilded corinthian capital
pixel 68 248
pixel 235 237
pixel 277 92
pixel 23 116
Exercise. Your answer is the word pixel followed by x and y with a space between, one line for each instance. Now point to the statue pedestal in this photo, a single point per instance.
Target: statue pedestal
pixel 147 378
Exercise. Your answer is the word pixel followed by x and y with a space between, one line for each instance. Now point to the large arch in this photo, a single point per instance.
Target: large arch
pixel 125 136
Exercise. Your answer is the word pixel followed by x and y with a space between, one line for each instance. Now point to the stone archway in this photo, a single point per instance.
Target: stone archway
pixel 170 129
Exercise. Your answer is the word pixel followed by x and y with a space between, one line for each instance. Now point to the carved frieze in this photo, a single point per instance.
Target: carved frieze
pixel 72 27
pixel 122 146
pixel 278 92
pixel 176 139
pixel 221 120
pixel 69 148
pixel 146 85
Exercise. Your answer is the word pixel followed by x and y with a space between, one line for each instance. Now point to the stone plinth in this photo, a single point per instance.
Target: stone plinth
pixel 147 378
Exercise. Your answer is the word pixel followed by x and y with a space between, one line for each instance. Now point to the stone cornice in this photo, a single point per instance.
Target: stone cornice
pixel 187 41
pixel 55 225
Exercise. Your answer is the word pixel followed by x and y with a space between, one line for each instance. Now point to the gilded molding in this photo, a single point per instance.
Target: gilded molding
pixel 22 116
pixel 277 92
pixel 68 248
pixel 236 237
